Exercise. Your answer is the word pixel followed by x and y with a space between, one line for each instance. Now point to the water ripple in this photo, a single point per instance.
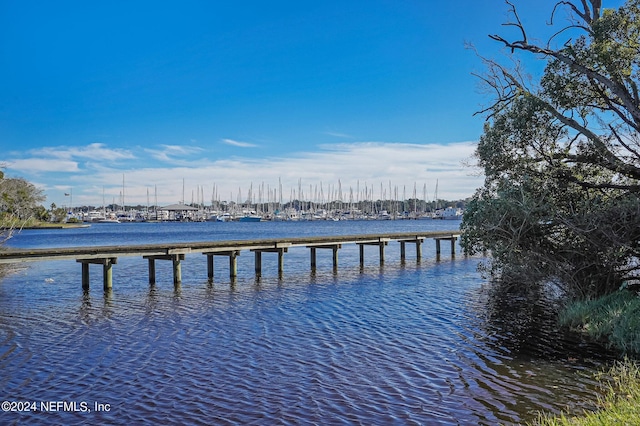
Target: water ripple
pixel 405 344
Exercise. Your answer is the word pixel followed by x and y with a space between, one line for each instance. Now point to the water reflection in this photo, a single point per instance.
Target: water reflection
pixel 534 365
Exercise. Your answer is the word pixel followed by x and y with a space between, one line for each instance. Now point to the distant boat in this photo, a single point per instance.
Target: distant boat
pixel 450 213
pixel 225 217
pixel 384 215
pixel 110 218
pixel 108 221
pixel 250 217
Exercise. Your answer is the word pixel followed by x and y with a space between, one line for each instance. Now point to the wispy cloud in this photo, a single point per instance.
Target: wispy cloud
pixel 238 143
pixel 339 135
pixel 94 151
pixel 42 165
pixel 373 165
pixel 170 153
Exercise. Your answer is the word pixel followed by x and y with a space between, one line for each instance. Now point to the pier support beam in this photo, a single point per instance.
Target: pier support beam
pixel 453 240
pixel 418 242
pixel 333 247
pixel 152 271
pixel 233 262
pixel 107 275
pixel 85 276
pixel 177 268
pixel 258 257
pixel 210 267
pixel 175 258
pixel 381 243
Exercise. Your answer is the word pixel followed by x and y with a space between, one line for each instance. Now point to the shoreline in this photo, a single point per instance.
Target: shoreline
pixel 52 226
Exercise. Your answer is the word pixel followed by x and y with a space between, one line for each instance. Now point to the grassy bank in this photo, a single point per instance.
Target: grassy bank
pixel 619 406
pixel 613 319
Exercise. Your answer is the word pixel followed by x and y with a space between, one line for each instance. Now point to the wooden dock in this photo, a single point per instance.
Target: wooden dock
pixel 107 256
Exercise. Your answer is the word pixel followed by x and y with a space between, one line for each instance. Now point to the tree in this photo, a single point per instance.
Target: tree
pixel 19 201
pixel 561 155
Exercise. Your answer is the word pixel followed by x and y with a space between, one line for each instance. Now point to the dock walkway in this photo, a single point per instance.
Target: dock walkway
pixel 176 252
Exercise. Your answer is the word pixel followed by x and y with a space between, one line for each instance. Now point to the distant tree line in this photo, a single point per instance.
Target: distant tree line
pixel 20 203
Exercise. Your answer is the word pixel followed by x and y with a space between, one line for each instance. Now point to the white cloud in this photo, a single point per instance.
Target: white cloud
pixel 339 135
pixel 40 165
pixel 376 166
pixel 238 143
pixel 169 152
pixel 95 151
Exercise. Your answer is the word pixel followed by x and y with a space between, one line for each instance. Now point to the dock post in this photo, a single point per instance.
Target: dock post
pixel 233 264
pixel 210 266
pixel 107 276
pixel 418 250
pixel 281 253
pixel 107 273
pixel 381 248
pixel 152 270
pixel 453 247
pixel 313 259
pixel 402 251
pixel 361 255
pixel 258 256
pixel 334 248
pixel 85 276
pixel 437 249
pixel 177 269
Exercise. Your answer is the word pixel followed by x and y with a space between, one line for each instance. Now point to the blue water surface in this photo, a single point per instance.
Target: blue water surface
pixel 399 343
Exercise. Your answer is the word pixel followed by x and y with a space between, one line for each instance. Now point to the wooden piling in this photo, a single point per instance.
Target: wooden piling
pixel 210 266
pixel 85 276
pixel 380 242
pixel 152 271
pixel 258 258
pixel 175 259
pixel 258 262
pixel 313 258
pixel 417 242
pixel 107 275
pixel 334 248
pixel 452 239
pixel 233 262
pixel 177 269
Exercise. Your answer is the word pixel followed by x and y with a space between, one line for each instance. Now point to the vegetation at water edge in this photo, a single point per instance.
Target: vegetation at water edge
pixel 560 152
pixel 613 319
pixel 620 404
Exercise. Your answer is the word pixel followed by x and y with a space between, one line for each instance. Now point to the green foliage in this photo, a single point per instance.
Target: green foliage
pixel 614 318
pixel 561 198
pixel 19 205
pixel 620 404
pixel 19 198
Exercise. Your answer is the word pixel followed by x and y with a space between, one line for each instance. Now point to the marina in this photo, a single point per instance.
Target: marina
pixel 267 205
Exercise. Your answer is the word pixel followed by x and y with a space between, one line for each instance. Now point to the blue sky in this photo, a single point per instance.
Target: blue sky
pixel 241 94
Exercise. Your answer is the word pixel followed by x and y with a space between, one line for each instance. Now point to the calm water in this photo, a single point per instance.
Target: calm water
pixel 411 343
